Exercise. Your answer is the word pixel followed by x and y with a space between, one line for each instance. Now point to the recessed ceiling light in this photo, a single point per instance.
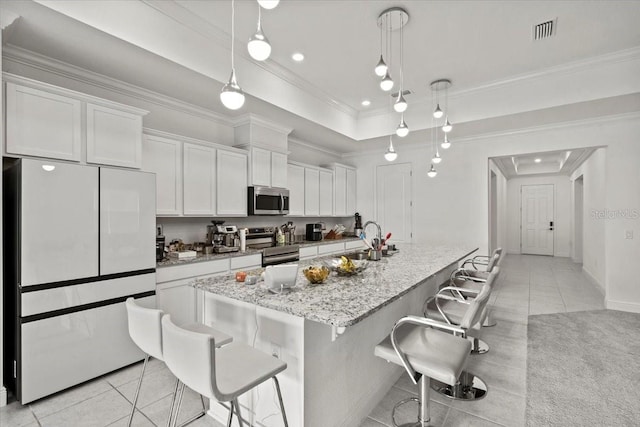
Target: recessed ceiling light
pixel 366 102
pixel 298 57
pixel 537 160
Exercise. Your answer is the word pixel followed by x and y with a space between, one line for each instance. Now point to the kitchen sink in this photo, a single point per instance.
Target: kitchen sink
pixel 358 255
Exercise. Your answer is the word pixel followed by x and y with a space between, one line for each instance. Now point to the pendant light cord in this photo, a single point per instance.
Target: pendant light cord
pixel 259 17
pixel 233 19
pixel 401 57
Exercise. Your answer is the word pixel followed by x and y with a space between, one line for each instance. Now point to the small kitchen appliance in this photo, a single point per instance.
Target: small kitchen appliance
pixel 225 238
pixel 314 232
pixel 159 248
pixel 357 228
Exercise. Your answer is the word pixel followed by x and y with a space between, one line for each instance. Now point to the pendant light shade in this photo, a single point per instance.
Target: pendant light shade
pixel 231 95
pixel 402 130
pixel 438 113
pixel 391 154
pixel 268 4
pixel 432 172
pixel 445 144
pixel 259 47
pixel 436 159
pixel 386 84
pixel 447 126
pixel 381 67
pixel 401 104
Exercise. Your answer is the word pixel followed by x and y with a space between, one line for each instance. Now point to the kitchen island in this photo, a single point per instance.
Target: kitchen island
pixel 326 333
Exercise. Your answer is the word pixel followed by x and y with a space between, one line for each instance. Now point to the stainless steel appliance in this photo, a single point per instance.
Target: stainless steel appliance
pixel 225 238
pixel 314 232
pixel 160 248
pixel 79 240
pixel 268 201
pixel 272 254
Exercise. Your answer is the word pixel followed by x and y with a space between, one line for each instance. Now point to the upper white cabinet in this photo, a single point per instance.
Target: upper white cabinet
pixel 231 183
pixel 311 192
pixel 351 191
pixel 268 168
pixel 114 137
pixel 47 121
pixel 199 180
pixel 295 175
pixel 163 156
pixel 340 191
pixel 326 193
pixel 43 124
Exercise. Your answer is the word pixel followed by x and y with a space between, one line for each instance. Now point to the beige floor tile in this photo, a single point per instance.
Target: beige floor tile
pixel 546 309
pixel 498 406
pixel 98 411
pixel 408 412
pixel 158 411
pixel 132 373
pixel 69 397
pixel 155 385
pixel 456 418
pixel 17 415
pixel 139 420
pixel 368 422
pixel 498 376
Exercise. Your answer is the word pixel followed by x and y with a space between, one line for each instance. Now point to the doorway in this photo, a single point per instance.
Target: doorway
pixel 493 211
pixel 394 200
pixel 578 218
pixel 537 226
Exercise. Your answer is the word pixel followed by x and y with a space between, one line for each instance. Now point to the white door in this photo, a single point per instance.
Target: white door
pixel 127 220
pixel 537 219
pixel 59 222
pixel 393 199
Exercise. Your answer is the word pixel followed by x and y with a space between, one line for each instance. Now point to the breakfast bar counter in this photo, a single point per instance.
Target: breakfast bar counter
pixel 326 333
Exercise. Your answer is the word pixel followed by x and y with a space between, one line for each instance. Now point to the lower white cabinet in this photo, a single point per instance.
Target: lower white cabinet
pixel 178 299
pixel 247 262
pixel 308 252
pixel 331 248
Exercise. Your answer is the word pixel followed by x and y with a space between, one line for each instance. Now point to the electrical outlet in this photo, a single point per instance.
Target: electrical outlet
pixel 629 234
pixel 275 350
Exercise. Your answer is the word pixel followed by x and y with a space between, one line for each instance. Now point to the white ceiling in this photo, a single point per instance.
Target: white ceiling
pixel 181 49
pixel 551 162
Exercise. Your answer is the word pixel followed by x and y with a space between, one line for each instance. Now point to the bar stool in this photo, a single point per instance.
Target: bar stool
pixel 145 329
pixel 222 374
pixel 471 313
pixel 473 279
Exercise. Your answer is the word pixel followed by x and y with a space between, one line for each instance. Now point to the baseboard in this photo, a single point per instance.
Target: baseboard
pixel 623 306
pixel 595 281
pixel 3 397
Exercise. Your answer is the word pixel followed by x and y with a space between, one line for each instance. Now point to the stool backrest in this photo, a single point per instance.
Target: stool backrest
pixel 493 262
pixel 476 307
pixel 498 252
pixel 191 357
pixel 145 328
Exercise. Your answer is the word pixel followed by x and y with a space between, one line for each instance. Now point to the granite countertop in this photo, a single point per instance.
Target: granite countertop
pixel 168 261
pixel 344 301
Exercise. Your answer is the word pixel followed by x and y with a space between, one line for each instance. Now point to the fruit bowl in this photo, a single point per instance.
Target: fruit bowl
pixel 348 267
pixel 316 275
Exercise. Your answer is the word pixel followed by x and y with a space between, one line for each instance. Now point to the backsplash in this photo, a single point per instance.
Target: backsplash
pixel 195 229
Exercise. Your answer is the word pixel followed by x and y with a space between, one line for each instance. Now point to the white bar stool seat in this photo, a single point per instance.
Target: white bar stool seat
pixel 145 329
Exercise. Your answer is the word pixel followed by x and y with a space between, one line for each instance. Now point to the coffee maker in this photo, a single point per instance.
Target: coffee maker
pixel 225 238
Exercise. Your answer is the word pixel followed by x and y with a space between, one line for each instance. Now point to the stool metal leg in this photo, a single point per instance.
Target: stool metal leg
pixel 179 399
pixel 479 346
pixel 425 404
pixel 135 397
pixel 284 414
pixel 468 387
pixel 173 402
pixel 240 421
pixel 230 418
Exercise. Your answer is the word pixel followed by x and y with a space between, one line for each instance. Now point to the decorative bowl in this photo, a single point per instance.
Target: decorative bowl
pixel 315 274
pixel 348 267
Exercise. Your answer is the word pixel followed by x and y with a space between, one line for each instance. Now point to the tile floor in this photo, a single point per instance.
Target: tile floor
pixel 527 285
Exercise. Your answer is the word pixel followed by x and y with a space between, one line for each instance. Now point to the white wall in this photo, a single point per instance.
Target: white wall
pixel 562 207
pixel 594 228
pixel 502 215
pixel 453 207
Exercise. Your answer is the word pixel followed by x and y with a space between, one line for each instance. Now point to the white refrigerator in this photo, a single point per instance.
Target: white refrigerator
pixel 79 240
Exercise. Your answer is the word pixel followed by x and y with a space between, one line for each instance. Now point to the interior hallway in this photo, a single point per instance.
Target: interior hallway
pixel 527 285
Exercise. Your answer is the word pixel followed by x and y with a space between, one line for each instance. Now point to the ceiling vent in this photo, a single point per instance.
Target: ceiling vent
pixel 404 92
pixel 544 30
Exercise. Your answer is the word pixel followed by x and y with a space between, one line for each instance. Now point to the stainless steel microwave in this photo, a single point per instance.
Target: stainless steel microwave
pixel 268 201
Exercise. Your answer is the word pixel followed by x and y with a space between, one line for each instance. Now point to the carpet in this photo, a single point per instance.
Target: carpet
pixel 583 368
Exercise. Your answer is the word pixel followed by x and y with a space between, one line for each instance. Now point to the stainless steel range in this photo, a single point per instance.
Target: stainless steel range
pixel 265 238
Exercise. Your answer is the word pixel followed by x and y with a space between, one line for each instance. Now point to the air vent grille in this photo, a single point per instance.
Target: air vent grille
pixel 544 30
pixel 404 92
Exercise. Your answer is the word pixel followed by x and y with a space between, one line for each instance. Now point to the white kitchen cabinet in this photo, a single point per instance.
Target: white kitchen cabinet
pixel 326 193
pixel 260 167
pixel 311 192
pixel 199 181
pixel 354 244
pixel 42 123
pixel 163 157
pixel 246 262
pixel 351 192
pixel 231 183
pixel 278 170
pixel 295 183
pixel 177 299
pixel 340 191
pixel 114 137
pixel 331 248
pixel 308 252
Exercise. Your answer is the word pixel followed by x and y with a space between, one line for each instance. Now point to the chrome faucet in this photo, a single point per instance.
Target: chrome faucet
pixel 364 230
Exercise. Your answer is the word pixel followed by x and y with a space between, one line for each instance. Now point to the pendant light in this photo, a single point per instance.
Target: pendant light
pixel 445 144
pixel 381 66
pixel 432 172
pixel 258 46
pixel 231 95
pixel 447 126
pixel 391 154
pixel 438 113
pixel 402 130
pixel 401 104
pixel 436 159
pixel 268 4
pixel 387 83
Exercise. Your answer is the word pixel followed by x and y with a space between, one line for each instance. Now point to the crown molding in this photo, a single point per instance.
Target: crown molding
pixel 11 53
pixel 313 147
pixel 634 115
pixel 251 118
pixel 187 139
pixel 185 17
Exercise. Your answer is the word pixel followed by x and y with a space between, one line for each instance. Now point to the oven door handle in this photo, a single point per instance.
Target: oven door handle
pixel 280 258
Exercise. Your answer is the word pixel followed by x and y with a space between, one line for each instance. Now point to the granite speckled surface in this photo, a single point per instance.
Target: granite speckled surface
pixel 345 300
pixel 168 261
